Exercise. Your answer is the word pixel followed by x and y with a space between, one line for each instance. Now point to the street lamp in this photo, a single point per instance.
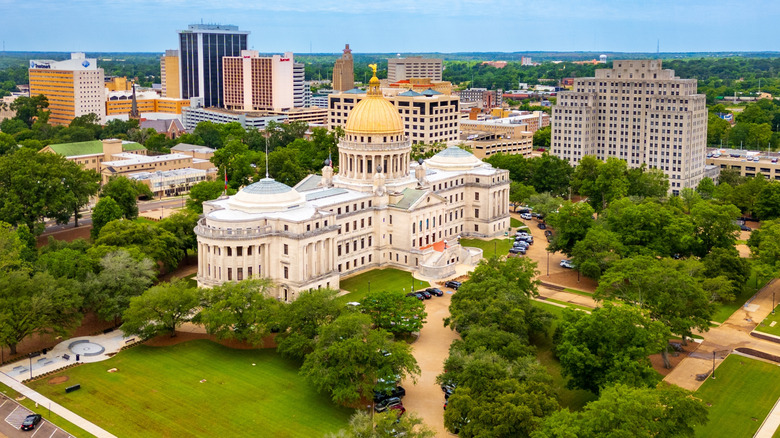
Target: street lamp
pixel 369 286
pixel 713 364
pixel 773 303
pixel 548 263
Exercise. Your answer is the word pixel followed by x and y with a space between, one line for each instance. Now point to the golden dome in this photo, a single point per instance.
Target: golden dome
pixel 374 115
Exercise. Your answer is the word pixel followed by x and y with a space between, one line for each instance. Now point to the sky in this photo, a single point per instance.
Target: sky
pixel 398 26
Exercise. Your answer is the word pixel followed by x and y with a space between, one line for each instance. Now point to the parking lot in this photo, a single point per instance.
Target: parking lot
pixel 12 414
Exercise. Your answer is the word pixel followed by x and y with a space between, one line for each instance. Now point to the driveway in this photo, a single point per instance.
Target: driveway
pixel 425 398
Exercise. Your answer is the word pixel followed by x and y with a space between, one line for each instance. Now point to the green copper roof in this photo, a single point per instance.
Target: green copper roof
pixel 410 197
pixel 90 148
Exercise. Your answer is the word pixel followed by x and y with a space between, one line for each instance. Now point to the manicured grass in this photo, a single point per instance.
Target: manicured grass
pixel 145 220
pixel 567 304
pixel 575 400
pixel 191 281
pixel 740 397
pixel 60 422
pixel 491 247
pixel 764 326
pixel 198 389
pixel 725 310
pixel 514 223
pixel 579 292
pixel 381 279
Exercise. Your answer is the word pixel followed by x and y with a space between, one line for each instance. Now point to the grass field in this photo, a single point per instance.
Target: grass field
pixel 197 389
pixel 380 279
pixel 572 399
pixel 514 223
pixel 764 326
pixel 53 418
pixel 725 310
pixel 491 247
pixel 741 395
pixel 567 304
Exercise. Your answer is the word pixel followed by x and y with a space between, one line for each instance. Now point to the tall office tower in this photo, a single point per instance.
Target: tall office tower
pixel 201 49
pixel 399 69
pixel 254 83
pixel 299 89
pixel 74 87
pixel 169 74
pixel 344 71
pixel 639 113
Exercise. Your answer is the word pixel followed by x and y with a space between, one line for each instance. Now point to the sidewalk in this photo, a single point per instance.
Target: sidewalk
pixel 56 408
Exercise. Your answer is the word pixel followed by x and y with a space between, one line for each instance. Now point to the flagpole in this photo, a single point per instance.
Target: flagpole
pixel 225 181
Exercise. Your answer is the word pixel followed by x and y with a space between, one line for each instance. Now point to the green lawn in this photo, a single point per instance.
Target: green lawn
pixel 491 247
pixel 157 391
pixel 48 416
pixel 567 304
pixel 764 326
pixel 191 281
pixel 725 310
pixel 514 223
pixel 572 399
pixel 380 280
pixel 579 292
pixel 740 397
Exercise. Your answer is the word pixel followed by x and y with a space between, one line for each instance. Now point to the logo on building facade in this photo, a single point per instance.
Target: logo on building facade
pixel 85 64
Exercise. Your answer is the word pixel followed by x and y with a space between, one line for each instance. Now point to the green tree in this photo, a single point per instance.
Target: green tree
pixel 611 345
pixel 349 357
pixel 150 239
pixel 647 183
pixel 714 226
pixel 550 174
pixel 520 193
pixel 106 210
pixel 182 225
pixel 544 203
pixel 160 309
pixel 706 188
pixel 28 108
pixel 597 252
pixel 300 320
pixel 746 194
pixel 11 248
pixel 394 311
pixel 764 245
pixel 284 166
pixel 237 159
pixel 585 174
pixel 243 311
pixel 126 192
pixel 571 224
pixel 205 191
pixel 612 183
pixel 768 202
pixel 121 277
pixel 36 303
pixel 384 425
pixel 625 411
pixel 81 186
pixel 718 130
pixel 542 137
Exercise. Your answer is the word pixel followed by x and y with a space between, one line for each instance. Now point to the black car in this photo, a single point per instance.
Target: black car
pixel 387 403
pixel 31 421
pixel 398 392
pixel 547 233
pixel 425 294
pixel 744 227
pixel 416 295
pixel 452 284
pixel 434 291
pixel 542 226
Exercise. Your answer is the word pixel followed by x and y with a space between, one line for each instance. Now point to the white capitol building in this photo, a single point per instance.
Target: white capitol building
pixel 380 210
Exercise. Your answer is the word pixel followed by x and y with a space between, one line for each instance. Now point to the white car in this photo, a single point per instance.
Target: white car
pixel 526 216
pixel 567 264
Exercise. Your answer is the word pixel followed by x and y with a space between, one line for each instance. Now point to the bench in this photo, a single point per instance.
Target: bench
pixel 72 388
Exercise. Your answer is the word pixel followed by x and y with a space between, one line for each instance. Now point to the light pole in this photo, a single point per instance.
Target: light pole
pixel 548 263
pixel 773 303
pixel 713 364
pixel 369 286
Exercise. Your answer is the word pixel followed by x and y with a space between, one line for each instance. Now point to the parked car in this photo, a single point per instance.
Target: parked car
pixel 435 291
pixel 398 409
pixel 744 227
pixel 452 284
pixel 387 403
pixel 542 226
pixel 448 388
pixel 416 295
pixel 31 421
pixel 520 244
pixel 567 264
pixel 398 392
pixel 548 233
pixel 524 210
pixel 525 216
pixel 516 250
pixel 425 294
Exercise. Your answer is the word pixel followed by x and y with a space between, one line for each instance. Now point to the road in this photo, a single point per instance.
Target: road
pixel 143 206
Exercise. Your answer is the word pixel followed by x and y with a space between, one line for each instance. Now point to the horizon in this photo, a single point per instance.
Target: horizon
pixel 396 26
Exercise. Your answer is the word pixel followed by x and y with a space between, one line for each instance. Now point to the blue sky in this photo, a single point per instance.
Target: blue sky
pixel 403 26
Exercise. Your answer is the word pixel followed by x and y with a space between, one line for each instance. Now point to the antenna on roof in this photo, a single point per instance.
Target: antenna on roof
pixel 266 151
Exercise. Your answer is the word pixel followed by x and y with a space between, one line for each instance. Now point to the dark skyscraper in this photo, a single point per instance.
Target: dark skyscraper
pixel 201 48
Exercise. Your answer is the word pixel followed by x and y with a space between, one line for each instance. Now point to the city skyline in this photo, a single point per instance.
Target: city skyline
pixel 395 25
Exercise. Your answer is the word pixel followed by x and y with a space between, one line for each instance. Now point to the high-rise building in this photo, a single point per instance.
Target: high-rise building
pixel 201 49
pixel 73 87
pixel 399 69
pixel 253 83
pixel 299 88
pixel 639 113
pixel 169 74
pixel 344 71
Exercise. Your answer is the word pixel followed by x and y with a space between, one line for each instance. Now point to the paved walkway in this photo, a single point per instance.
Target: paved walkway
pixel 770 424
pixel 55 407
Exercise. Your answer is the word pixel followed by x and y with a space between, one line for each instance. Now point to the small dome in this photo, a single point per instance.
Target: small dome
pixel 454 158
pixel 266 195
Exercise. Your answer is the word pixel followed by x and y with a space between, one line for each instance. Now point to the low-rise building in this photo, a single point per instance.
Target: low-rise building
pixel 126 164
pixel 485 99
pixel 486 144
pixel 191 116
pixel 171 128
pixel 748 163
pixel 91 154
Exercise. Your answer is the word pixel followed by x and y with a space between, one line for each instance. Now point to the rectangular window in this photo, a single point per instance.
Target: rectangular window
pixel 286 248
pixel 229 251
pixel 249 271
pixel 476 212
pixel 369 221
pixel 230 274
pixel 239 274
pixel 249 252
pixel 391 219
pixel 286 272
pixel 239 251
pixel 391 239
pixel 476 196
pixel 286 228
